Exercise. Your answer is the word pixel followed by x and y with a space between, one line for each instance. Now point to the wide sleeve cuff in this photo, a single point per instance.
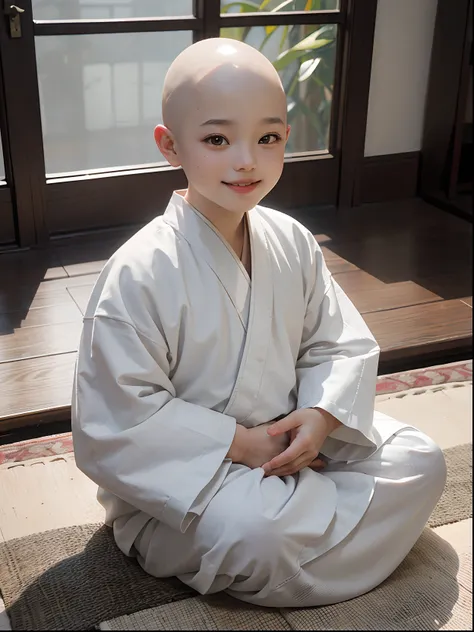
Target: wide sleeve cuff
pixel 206 495
pixel 347 442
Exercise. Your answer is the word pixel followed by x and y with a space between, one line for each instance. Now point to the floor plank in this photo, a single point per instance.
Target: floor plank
pixel 369 294
pixel 336 263
pixel 44 294
pixel 81 295
pixel 40 316
pixel 450 285
pixel 88 267
pixel 31 266
pixel 402 258
pixel 79 260
pixel 416 328
pixel 31 342
pixel 467 300
pixel 400 217
pixel 36 384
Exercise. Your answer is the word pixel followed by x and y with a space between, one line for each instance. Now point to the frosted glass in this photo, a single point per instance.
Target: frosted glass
pixel 108 9
pixel 100 97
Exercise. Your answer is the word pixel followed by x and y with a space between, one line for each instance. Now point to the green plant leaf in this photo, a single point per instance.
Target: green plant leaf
pixel 284 35
pixel 245 7
pixel 292 54
pixel 312 117
pixel 317 80
pixel 293 84
pixel 324 29
pixel 291 108
pixel 267 37
pixel 307 44
pixel 233 32
pixel 270 29
pixel 307 68
pixel 281 6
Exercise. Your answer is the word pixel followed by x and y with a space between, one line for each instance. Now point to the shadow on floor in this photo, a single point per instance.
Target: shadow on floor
pixel 396 242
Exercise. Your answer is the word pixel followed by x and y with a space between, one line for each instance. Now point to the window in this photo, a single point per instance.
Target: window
pixel 78 127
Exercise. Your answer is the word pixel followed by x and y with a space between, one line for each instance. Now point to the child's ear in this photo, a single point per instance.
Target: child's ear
pixel 166 144
pixel 288 130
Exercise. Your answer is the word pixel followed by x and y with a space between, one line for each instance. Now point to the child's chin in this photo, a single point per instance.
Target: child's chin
pixel 241 204
pixel 243 207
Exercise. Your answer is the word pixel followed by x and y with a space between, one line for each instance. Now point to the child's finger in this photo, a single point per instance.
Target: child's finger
pixel 283 425
pixel 294 466
pixel 317 464
pixel 291 453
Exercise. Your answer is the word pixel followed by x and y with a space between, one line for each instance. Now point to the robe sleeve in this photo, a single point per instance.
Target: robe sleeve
pixel 133 436
pixel 337 362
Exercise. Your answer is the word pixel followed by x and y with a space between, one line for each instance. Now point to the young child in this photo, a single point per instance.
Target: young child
pixel 213 320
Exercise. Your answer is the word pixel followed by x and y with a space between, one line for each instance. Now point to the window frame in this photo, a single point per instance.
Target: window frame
pixel 47 208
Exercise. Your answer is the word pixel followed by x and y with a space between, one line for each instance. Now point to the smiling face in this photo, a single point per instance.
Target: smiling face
pixel 227 129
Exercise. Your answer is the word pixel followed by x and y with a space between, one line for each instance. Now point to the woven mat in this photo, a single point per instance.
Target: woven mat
pixel 430 590
pixel 75 578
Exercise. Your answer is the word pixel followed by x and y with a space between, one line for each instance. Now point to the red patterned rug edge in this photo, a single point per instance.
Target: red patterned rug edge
pixel 62 443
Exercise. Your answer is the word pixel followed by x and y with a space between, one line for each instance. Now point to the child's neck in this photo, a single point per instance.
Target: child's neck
pixel 229 224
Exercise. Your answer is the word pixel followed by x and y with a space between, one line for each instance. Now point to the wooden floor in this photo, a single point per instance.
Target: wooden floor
pixel 405 265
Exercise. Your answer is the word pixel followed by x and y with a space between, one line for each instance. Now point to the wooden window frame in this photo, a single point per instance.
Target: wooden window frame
pixel 51 208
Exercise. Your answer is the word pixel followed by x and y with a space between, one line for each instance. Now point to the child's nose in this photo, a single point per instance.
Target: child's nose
pixel 244 159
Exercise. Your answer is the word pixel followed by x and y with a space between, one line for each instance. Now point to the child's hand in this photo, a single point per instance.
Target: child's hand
pixel 260 447
pixel 308 429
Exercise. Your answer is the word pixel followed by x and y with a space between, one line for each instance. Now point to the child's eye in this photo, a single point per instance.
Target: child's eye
pixel 269 139
pixel 216 140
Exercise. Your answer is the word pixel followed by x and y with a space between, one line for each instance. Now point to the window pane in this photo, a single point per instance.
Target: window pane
pixel 108 9
pixel 270 6
pixel 100 97
pixel 307 74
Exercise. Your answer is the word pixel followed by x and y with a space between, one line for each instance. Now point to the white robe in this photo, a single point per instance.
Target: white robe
pixel 178 346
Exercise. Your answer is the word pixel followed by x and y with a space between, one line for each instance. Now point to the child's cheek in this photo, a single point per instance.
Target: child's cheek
pixel 212 160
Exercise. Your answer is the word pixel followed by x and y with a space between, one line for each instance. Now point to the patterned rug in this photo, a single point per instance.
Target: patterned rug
pixel 54 445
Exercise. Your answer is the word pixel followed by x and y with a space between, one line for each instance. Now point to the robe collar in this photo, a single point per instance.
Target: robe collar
pixel 188 221
pixel 207 242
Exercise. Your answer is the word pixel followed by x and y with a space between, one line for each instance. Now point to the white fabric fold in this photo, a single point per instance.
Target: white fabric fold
pixel 135 438
pixel 337 365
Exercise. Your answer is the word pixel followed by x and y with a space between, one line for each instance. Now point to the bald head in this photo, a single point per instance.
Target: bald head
pixel 217 65
pixel 225 124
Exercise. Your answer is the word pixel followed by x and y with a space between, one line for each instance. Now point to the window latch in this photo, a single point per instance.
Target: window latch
pixel 13 13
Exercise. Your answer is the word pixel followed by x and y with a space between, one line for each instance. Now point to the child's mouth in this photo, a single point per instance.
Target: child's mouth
pixel 243 186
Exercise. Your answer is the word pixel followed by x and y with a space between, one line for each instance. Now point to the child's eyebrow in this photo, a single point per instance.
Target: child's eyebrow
pixel 273 120
pixel 270 120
